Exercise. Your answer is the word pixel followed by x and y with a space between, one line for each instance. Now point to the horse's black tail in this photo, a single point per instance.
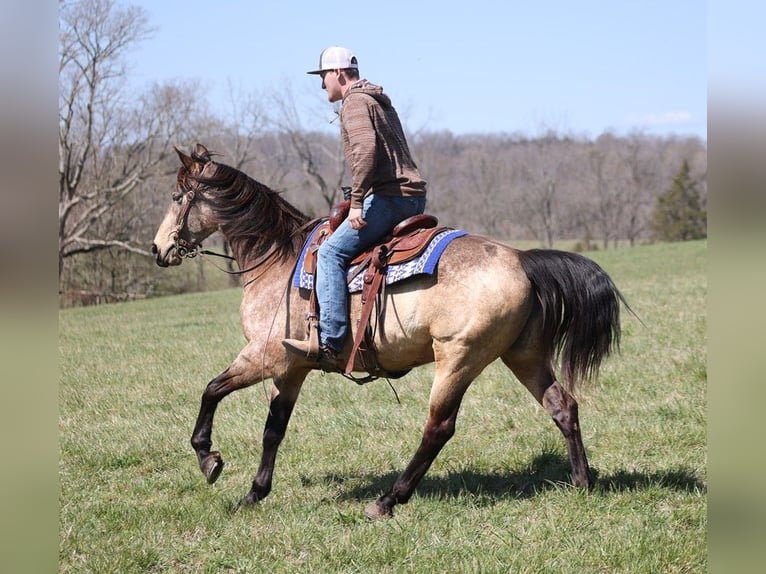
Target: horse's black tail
pixel 580 310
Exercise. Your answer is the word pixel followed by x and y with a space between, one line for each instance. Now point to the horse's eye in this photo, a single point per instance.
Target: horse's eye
pixel 177 196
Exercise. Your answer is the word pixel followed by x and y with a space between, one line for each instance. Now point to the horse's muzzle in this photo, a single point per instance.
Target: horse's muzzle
pixel 159 258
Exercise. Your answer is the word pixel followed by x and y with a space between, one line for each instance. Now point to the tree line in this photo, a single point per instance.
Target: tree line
pixel 117 168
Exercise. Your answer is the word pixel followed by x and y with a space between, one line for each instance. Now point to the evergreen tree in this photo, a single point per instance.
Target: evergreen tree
pixel 679 214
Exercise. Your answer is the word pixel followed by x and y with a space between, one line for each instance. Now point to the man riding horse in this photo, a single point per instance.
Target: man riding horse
pixel 386 189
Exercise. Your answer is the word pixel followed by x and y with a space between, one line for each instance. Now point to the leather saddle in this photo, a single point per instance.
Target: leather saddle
pixel 407 241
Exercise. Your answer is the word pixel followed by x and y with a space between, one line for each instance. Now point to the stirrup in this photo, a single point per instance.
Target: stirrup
pixel 313 337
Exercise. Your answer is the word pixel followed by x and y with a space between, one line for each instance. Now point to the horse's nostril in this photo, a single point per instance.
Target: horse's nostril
pixel 154 249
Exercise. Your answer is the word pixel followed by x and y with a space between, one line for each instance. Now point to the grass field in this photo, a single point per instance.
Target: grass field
pixel 496 500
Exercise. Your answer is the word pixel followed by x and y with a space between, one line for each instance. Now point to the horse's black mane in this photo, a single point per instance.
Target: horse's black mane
pixel 255 219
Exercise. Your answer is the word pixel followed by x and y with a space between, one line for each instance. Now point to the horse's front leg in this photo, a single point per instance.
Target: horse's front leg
pixel 283 398
pixel 211 463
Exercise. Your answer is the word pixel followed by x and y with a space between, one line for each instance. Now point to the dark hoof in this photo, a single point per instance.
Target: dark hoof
pixel 587 482
pixel 212 466
pixel 375 511
pixel 249 501
pixel 242 505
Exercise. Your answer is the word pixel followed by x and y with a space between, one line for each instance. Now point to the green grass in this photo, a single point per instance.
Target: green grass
pixel 496 499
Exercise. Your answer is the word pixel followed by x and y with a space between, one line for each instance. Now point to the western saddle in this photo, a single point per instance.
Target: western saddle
pixel 406 241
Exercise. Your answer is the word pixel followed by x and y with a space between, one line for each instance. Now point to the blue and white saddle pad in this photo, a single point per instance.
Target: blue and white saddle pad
pixel 425 263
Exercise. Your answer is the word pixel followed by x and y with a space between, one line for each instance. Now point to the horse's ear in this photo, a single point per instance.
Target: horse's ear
pixel 187 161
pixel 201 152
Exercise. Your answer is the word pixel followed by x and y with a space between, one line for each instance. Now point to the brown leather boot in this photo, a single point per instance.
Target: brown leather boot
pixel 326 357
pixel 300 347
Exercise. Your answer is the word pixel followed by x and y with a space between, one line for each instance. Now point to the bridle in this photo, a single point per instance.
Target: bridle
pixel 191 249
pixel 183 247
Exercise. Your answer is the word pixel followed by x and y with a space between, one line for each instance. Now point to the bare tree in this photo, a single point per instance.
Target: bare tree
pixel 642 183
pixel 108 143
pixel 539 179
pixel 437 154
pixel 607 197
pixel 485 182
pixel 239 139
pixel 323 163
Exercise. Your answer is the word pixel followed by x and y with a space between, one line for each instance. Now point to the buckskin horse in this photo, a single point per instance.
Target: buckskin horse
pixel 532 309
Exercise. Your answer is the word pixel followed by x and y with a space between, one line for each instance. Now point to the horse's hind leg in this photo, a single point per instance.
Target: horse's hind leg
pixel 438 430
pixel 538 378
pixel 450 384
pixel 563 408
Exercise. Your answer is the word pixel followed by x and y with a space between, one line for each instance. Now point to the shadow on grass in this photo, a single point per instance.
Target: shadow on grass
pixel 547 471
pixel 677 479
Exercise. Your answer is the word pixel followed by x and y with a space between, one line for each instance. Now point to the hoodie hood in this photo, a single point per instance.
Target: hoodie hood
pixel 365 87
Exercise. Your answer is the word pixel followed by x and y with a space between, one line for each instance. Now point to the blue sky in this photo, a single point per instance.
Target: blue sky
pixel 478 66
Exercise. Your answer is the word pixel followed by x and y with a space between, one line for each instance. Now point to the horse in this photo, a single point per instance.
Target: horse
pixel 534 309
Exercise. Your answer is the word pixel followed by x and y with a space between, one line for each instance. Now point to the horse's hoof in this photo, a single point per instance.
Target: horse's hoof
pixel 241 505
pixel 375 511
pixel 212 467
pixel 248 501
pixel 585 481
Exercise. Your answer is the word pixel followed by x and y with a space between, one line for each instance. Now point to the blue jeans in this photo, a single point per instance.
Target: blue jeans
pixel 381 213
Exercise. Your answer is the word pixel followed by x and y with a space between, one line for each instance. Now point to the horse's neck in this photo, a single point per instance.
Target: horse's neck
pixel 269 233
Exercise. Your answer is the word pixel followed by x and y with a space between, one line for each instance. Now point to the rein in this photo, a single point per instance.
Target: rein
pixel 240 271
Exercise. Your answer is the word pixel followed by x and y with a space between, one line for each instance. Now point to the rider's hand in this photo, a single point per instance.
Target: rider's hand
pixel 355 218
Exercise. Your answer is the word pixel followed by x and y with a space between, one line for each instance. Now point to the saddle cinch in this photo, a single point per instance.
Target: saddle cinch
pixel 407 241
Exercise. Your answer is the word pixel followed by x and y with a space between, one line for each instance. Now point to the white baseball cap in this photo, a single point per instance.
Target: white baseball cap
pixel 335 58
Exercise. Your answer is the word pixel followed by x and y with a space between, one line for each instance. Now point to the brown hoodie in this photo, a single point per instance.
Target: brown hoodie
pixel 375 147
